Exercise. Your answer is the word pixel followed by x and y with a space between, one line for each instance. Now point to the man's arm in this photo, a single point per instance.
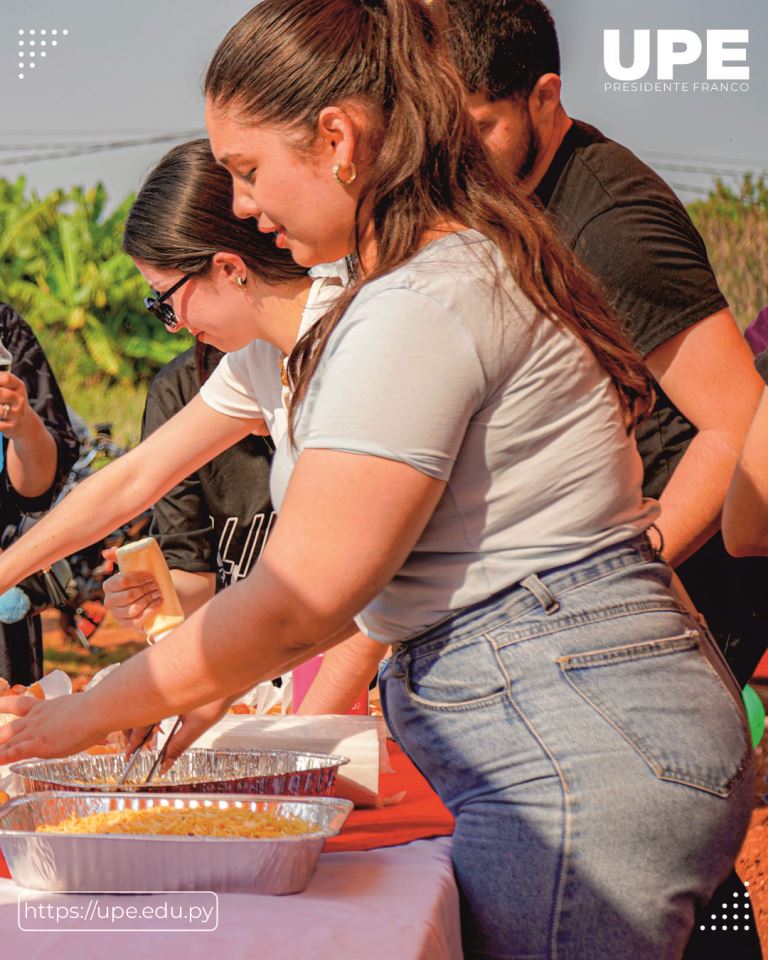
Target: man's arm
pixel 708 372
pixel 654 268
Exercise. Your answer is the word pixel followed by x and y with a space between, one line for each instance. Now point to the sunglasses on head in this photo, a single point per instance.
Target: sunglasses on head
pixel 158 307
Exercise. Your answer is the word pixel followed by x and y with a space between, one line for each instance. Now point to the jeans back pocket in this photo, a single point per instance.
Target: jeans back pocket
pixel 665 698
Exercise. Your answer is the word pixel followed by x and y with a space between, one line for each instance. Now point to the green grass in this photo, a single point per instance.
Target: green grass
pixel 75 661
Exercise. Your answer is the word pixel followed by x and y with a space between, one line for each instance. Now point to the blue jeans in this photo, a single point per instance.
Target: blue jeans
pixel 588 737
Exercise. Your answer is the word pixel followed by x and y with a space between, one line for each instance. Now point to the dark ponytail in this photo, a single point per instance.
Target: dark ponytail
pixel 286 60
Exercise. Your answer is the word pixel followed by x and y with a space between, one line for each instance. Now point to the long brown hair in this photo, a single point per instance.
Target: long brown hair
pixel 183 215
pixel 286 60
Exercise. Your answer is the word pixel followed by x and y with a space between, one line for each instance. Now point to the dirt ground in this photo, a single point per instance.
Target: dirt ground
pixel 752 865
pixel 111 643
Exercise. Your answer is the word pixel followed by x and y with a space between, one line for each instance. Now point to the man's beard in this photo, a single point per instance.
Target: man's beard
pixel 530 153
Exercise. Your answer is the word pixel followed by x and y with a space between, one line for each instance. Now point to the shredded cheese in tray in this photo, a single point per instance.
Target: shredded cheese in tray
pixel 167 821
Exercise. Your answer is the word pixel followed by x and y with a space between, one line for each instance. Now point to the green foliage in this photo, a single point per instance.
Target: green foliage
pixel 734 224
pixel 97 398
pixel 62 267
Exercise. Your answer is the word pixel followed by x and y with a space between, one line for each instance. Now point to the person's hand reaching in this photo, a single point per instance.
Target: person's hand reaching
pixel 131 598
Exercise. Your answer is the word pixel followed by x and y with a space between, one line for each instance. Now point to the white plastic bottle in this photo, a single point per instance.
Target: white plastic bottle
pixel 145 556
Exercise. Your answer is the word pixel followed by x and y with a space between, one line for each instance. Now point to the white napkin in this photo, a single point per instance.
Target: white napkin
pixel 264 696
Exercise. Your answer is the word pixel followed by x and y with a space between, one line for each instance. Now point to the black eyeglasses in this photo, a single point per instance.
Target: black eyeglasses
pixel 162 310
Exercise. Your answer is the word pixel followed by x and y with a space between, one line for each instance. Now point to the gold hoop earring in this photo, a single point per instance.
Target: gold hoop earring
pixel 352 174
pixel 240 281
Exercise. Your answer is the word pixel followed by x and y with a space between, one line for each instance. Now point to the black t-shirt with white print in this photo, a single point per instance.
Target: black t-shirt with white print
pixel 216 520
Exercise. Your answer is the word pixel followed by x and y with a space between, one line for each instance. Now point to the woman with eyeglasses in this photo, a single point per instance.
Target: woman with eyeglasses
pixel 213 525
pixel 461 475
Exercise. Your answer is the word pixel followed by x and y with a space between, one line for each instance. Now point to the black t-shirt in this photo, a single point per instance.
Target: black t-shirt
pixel 216 520
pixel 21 644
pixel 31 366
pixel 636 237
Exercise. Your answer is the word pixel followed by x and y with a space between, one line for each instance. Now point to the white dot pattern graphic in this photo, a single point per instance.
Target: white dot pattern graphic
pixel 32 32
pixel 734 906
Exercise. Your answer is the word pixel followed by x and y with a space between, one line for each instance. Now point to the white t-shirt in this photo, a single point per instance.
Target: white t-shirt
pixel 444 365
pixel 248 382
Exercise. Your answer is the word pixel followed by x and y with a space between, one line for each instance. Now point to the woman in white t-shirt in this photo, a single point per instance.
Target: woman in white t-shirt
pixel 181 225
pixel 461 475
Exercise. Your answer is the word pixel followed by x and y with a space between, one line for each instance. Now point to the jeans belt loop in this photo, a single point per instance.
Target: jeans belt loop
pixel 536 586
pixel 658 552
pixel 400 658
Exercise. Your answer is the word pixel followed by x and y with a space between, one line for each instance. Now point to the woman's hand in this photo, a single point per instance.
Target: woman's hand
pixel 193 725
pixel 130 597
pixel 32 452
pixel 15 410
pixel 48 728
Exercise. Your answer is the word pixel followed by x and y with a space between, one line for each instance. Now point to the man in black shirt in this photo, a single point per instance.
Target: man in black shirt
pixel 630 229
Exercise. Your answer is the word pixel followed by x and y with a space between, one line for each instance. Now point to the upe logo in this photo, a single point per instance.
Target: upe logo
pixel 725 52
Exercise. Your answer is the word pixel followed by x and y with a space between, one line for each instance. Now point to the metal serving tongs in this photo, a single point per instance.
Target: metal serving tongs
pixel 134 757
pixel 162 754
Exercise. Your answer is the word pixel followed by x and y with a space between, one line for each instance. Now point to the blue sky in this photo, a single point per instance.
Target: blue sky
pixel 132 71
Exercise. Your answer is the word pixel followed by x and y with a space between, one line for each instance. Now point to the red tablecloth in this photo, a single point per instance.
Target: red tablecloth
pixel 420 814
pixel 761 670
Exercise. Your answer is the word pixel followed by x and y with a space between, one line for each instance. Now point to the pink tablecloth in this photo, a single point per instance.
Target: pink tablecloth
pixel 374 905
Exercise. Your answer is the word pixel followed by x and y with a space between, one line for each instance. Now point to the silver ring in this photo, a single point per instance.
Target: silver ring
pixel 6 410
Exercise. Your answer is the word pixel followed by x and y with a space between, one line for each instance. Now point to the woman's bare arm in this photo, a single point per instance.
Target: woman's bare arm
pixel 346 671
pixel 346 526
pixel 124 488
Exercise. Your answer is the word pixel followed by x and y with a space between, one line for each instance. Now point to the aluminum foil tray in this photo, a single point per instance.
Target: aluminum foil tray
pixel 135 863
pixel 263 772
